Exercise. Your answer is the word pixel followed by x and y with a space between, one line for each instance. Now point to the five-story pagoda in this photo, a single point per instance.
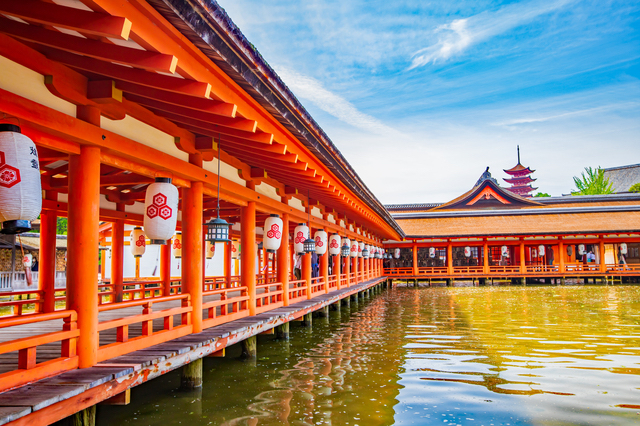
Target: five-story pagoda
pixel 520 179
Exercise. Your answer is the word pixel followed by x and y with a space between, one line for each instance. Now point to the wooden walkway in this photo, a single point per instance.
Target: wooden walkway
pixel 54 398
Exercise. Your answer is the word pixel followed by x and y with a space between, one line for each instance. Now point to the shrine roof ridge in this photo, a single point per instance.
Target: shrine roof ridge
pixel 208 26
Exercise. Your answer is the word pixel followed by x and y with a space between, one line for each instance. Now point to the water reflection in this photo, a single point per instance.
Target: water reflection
pixel 478 355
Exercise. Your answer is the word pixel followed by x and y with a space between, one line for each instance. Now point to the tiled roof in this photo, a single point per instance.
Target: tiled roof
pixel 622 178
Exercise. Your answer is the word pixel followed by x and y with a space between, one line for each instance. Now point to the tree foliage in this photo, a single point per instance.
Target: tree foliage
pixel 62 226
pixel 635 187
pixel 542 194
pixel 592 182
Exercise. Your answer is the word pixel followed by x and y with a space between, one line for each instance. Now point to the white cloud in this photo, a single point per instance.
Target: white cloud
pixel 456 36
pixel 312 90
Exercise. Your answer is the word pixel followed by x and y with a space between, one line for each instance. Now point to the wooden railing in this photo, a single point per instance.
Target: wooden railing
pixel 268 296
pixel 468 270
pixel 230 304
pixel 124 344
pixel 506 270
pixel 343 280
pixel 631 268
pixel 398 271
pixel 28 369
pixel 19 303
pixel 317 286
pixel 333 282
pixel 432 270
pixel 297 291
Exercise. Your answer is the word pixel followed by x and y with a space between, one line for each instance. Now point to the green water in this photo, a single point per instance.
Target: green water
pixel 449 356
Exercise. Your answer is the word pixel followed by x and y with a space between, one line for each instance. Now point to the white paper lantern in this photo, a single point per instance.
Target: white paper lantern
pixel 541 250
pixel 581 249
pixel 300 234
pixel 138 243
pixel 20 188
pixel 235 249
pixel 467 251
pixel 396 253
pixel 176 245
pixel 321 242
pixel 161 210
pixel 334 244
pixel 27 260
pixel 210 249
pixel 272 237
pixel 360 248
pixel 623 248
pixel 432 252
pixel 354 249
pixel 504 251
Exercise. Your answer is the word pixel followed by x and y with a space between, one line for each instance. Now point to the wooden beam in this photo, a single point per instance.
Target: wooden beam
pixel 83 21
pixel 206 109
pixel 118 72
pixel 150 61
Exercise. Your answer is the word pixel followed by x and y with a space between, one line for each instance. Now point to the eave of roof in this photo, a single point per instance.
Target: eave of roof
pixel 208 26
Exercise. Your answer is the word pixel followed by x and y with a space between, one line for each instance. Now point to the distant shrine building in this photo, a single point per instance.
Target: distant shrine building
pixel 492 233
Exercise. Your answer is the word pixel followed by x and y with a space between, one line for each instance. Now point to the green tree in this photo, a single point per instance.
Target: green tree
pixel 635 187
pixel 62 226
pixel 592 182
pixel 542 194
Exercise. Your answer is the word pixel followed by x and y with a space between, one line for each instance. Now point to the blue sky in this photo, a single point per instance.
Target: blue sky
pixel 421 96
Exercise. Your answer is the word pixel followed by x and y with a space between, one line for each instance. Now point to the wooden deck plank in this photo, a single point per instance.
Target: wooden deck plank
pixel 38 396
pixel 9 414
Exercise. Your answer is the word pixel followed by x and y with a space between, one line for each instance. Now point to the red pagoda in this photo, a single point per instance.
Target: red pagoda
pixel 520 179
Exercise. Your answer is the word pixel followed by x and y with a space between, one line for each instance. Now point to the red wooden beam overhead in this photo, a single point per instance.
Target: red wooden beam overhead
pixel 83 21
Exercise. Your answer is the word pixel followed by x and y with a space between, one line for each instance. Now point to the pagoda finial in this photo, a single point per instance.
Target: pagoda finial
pixel 518 154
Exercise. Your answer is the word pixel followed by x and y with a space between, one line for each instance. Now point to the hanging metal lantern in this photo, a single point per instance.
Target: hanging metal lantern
pixel 432 252
pixel 320 238
pixel 210 249
pixel 360 248
pixel 396 253
pixel 161 211
pixel 467 251
pixel 346 247
pixel 235 249
pixel 504 251
pixel 541 250
pixel 217 230
pixel 272 237
pixel 334 244
pixel 365 252
pixel 623 248
pixel 20 187
pixel 309 246
pixel 177 245
pixel 354 249
pixel 138 242
pixel 300 235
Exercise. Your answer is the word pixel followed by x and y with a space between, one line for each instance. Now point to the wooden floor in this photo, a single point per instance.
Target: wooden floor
pixel 51 399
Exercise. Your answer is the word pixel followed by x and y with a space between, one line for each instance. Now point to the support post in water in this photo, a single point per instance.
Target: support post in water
pixel 335 306
pixel 307 320
pixel 191 377
pixel 323 312
pixel 86 417
pixel 282 331
pixel 346 302
pixel 249 348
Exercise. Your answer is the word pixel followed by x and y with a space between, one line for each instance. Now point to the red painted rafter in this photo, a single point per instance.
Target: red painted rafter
pixel 83 21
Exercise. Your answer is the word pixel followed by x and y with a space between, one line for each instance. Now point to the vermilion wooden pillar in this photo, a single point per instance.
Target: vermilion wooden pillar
pixel 354 268
pixel 414 249
pixel 603 266
pixel 283 260
pixel 337 270
pixel 561 255
pixel 347 270
pixel 82 239
pixel 485 260
pixel 192 219
pixel 306 272
pixel 361 262
pixel 47 275
pixel 523 265
pixel 449 259
pixel 248 252
pixel 165 268
pixel 117 254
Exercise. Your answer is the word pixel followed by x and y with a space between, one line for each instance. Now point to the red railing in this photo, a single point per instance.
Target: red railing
pixel 344 280
pixel 317 286
pixel 28 369
pixel 333 282
pixel 230 304
pixel 297 291
pixel 19 303
pixel 124 343
pixel 468 270
pixel 268 296
pixel 632 268
pixel 432 270
pixel 398 271
pixel 504 270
